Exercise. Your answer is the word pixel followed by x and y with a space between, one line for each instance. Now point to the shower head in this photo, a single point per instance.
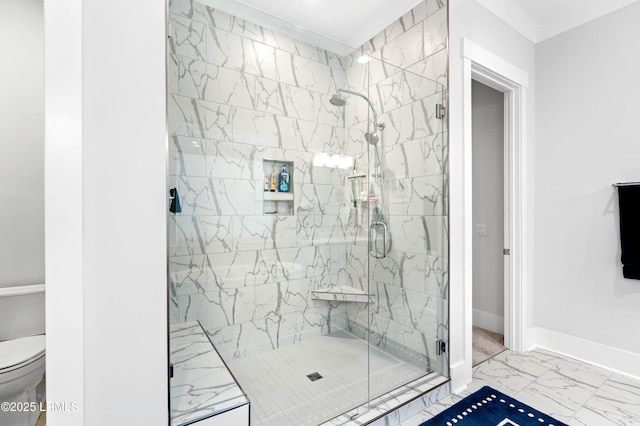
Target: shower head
pixel 338 100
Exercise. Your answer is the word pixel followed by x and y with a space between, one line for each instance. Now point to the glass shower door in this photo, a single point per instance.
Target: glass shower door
pixel 406 251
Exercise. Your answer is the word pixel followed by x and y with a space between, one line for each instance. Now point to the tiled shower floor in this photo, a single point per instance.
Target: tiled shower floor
pixel 281 394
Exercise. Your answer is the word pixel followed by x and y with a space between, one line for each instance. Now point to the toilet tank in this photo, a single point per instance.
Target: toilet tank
pixel 21 311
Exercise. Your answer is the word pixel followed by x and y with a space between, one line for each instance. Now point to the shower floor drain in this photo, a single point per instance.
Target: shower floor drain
pixel 314 376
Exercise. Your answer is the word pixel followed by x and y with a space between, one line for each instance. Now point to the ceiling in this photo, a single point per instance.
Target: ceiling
pixel 539 20
pixel 336 25
pixel 342 25
pixel 341 20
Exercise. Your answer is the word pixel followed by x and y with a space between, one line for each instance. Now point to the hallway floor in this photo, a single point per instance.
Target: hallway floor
pixel 572 391
pixel 486 344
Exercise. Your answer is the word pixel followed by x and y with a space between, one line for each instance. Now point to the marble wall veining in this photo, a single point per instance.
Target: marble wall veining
pixel 240 94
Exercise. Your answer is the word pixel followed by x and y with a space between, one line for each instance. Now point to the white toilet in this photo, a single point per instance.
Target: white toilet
pixel 22 354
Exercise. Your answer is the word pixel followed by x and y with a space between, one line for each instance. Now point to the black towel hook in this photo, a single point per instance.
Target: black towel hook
pixel 174 207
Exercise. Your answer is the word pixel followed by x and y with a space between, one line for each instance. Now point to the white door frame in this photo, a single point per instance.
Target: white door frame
pixel 482 65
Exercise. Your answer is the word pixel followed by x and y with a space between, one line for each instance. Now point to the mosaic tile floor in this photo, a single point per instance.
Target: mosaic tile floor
pixel 281 394
pixel 572 391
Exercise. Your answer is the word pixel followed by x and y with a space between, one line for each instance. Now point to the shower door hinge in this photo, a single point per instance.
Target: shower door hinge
pixel 441 347
pixel 441 111
pixel 506 252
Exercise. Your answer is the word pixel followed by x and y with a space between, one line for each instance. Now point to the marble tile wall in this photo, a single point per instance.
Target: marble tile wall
pixel 416 41
pixel 239 94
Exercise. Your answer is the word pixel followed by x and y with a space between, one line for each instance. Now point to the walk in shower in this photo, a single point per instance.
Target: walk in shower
pixel 323 298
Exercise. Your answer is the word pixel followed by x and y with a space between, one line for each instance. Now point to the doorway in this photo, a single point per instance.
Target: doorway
pixel 488 68
pixel 488 172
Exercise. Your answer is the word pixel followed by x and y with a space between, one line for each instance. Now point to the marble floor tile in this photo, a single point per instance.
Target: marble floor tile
pixel 589 416
pixel 546 357
pixel 505 375
pixel 556 395
pixel 572 391
pixel 531 364
pixel 618 400
pixel 582 372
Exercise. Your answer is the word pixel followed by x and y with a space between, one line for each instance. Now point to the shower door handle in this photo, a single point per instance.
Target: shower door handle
pixel 373 226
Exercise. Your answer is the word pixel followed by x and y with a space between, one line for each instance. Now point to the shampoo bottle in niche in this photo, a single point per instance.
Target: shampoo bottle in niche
pixel 272 186
pixel 284 180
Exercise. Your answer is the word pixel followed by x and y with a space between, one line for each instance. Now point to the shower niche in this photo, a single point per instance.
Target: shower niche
pixel 276 201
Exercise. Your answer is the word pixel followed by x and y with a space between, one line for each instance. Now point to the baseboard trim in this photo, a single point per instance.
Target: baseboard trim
pixel 615 359
pixel 488 321
pixel 529 338
pixel 461 376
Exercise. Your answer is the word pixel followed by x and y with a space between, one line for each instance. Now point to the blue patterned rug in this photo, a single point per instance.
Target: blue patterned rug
pixel 488 407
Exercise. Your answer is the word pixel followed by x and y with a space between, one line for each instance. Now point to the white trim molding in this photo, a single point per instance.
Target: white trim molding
pixel 64 217
pixel 484 66
pixel 536 27
pixel 514 16
pixel 618 360
pixel 505 74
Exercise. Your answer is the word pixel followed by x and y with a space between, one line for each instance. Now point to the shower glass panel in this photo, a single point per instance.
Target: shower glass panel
pixel 407 247
pixel 399 251
pixel 323 297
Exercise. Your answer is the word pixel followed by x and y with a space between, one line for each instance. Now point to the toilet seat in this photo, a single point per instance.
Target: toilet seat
pixel 17 353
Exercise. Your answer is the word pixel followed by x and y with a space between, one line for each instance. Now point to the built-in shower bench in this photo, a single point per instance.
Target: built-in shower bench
pixel 202 389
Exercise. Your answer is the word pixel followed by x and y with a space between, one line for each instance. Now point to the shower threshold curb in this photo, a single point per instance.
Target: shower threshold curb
pixel 384 405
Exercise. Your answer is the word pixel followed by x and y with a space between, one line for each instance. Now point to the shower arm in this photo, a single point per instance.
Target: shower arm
pixel 375 115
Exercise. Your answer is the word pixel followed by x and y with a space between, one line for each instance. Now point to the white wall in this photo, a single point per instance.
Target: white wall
pixel 587 139
pixel 488 207
pixel 106 228
pixel 469 20
pixel 22 143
